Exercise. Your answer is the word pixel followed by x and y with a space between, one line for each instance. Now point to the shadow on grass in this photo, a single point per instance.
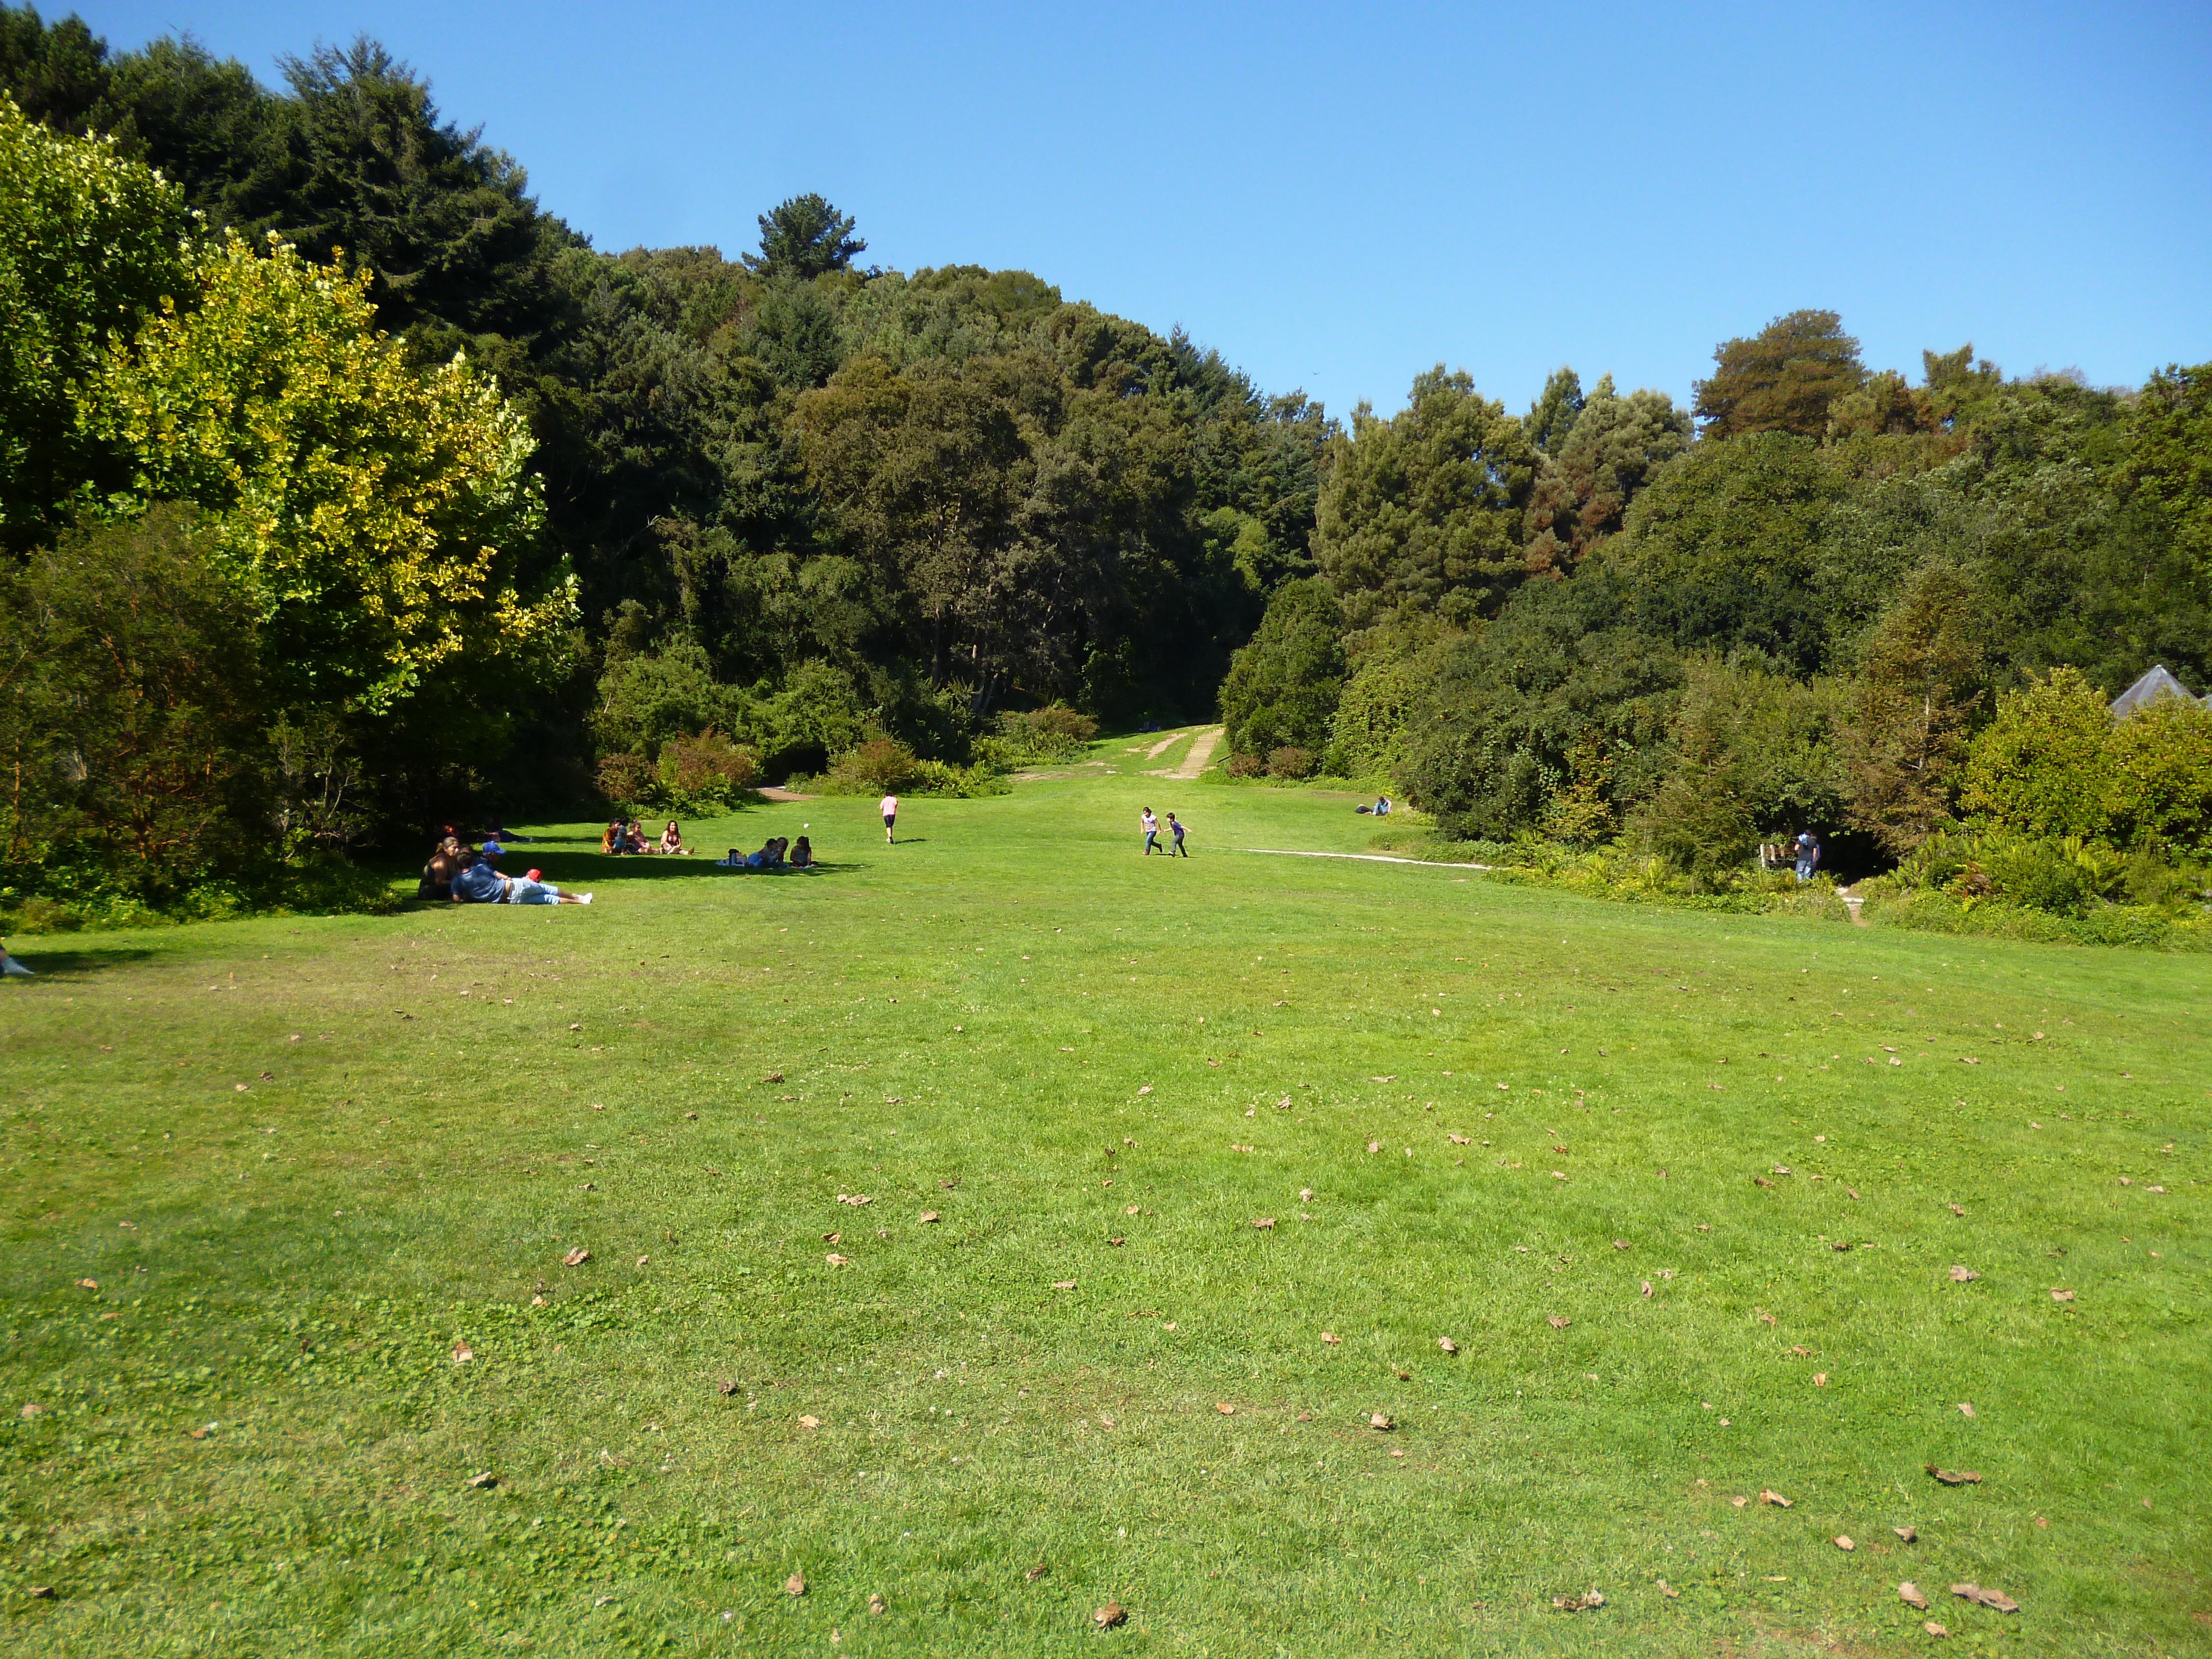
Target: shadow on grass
pixel 77 964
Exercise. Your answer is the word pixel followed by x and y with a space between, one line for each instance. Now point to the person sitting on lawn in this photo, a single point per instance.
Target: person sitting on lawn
pixel 672 839
pixel 437 881
pixel 476 882
pixel 638 843
pixel 802 854
pixel 616 839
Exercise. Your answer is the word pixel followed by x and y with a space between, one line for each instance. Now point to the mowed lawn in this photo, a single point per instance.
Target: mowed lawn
pixel 1107 1145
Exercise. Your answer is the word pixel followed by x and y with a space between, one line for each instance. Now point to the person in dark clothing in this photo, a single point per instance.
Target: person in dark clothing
pixel 1808 855
pixel 476 882
pixel 437 881
pixel 1174 829
pixel 802 854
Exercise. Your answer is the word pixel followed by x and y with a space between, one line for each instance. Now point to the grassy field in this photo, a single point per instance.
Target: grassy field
pixel 1002 1224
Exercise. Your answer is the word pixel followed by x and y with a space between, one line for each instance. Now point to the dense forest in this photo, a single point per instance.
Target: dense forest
pixel 344 489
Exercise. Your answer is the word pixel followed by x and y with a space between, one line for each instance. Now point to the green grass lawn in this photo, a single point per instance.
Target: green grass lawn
pixel 1614 1153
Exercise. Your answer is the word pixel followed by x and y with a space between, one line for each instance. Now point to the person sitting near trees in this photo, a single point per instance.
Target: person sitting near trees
pixel 476 882
pixel 615 842
pixel 802 854
pixel 672 839
pixel 637 841
pixel 437 881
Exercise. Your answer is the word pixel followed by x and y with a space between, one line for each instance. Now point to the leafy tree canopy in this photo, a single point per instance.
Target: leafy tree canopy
pixel 1782 378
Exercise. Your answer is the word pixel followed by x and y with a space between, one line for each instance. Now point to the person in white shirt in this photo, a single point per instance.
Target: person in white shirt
pixel 889 807
pixel 1151 827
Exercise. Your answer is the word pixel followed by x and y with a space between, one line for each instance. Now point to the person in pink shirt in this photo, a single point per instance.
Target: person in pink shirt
pixel 889 806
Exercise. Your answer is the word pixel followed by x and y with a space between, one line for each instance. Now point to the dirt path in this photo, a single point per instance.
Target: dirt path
pixel 1201 750
pixel 1366 858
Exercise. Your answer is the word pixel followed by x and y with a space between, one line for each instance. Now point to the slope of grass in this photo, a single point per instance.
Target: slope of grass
pixel 302 1160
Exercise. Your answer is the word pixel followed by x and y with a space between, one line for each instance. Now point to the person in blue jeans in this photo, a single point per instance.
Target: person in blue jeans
pixel 1808 855
pixel 1151 832
pixel 476 882
pixel 1175 828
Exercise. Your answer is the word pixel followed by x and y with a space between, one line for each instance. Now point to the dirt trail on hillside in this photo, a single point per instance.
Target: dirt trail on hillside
pixel 1201 750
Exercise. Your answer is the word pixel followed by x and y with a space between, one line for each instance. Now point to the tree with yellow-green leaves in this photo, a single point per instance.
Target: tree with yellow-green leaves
pixel 374 514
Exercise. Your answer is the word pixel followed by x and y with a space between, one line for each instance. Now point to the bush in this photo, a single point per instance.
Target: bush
pixel 626 779
pixel 2041 767
pixel 707 766
pixel 1292 762
pixel 1054 732
pixel 882 766
pixel 1246 766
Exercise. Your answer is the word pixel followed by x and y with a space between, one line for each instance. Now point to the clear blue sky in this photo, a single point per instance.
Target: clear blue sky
pixel 1338 196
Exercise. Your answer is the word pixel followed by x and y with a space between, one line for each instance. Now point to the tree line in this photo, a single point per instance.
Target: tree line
pixel 1797 604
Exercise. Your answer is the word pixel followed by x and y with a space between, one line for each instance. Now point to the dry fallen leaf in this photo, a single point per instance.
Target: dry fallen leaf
pixel 1265 1223
pixel 1381 1420
pixel 773 1077
pixel 463 1353
pixel 1668 1590
pixel 1956 1477
pixel 1109 1616
pixel 482 1481
pixel 928 1216
pixel 1447 1345
pixel 1147 1090
pixel 1559 1321
pixel 1063 1284
pixel 876 1604
pixel 1820 1379
pixel 1910 1594
pixel 31 1409
pixel 1035 1573
pixel 1619 1243
pixel 1996 1601
pixel 808 1420
pixel 1582 1603
pixel 1801 1351
pixel 1934 1629
pixel 576 1257
pixel 833 1238
pixel 1457 1139
pixel 1647 1287
pixel 1775 1499
pixel 1844 1544
pixel 1305 1195
pixel 2062 1296
pixel 1331 1338
pixel 88 1284
pixel 1963 1275
pixel 794 1585
pixel 727 1386
pixel 835 1260
pixel 1766 1318
pixel 1739 1502
pixel 1374 1146
pixel 1226 1409
pixel 1117 1242
pixel 1965 1408
pixel 1909 1535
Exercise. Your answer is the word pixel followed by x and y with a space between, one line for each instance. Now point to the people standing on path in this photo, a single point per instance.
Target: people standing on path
pixel 1808 855
pixel 1151 832
pixel 1175 828
pixel 889 807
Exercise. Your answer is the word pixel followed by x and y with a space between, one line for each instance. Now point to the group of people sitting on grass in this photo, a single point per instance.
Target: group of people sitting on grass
pixel 470 875
pixel 628 836
pixel 779 853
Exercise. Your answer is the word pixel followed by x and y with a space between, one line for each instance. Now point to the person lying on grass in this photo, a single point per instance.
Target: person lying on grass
pixel 477 883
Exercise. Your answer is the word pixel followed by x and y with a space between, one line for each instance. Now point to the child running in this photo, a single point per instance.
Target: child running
pixel 1151 826
pixel 889 807
pixel 1175 827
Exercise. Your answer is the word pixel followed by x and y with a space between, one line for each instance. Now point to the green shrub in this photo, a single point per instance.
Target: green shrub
pixel 1292 762
pixel 707 766
pixel 1246 766
pixel 2041 767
